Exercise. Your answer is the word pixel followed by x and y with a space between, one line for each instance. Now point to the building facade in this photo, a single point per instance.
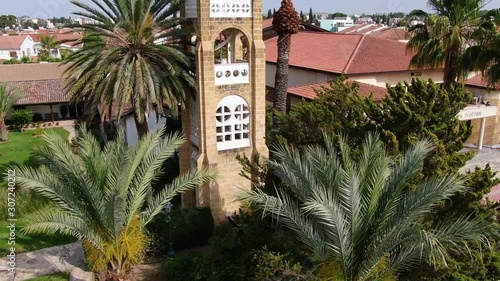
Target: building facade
pixel 226 117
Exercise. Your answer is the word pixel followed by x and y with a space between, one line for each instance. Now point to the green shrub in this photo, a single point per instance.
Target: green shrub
pixel 11 61
pixel 37 117
pixel 27 201
pixel 236 254
pixel 38 130
pixel 22 117
pixel 275 266
pixel 25 59
pixel 188 266
pixel 191 227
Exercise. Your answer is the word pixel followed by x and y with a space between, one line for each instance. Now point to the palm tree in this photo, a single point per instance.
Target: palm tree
pixel 132 58
pixel 47 43
pixel 100 194
pixel 443 39
pixel 8 98
pixel 362 217
pixel 484 56
pixel 286 22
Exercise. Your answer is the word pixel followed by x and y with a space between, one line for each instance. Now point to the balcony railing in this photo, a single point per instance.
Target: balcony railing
pixel 232 74
pixel 230 8
pixel 222 8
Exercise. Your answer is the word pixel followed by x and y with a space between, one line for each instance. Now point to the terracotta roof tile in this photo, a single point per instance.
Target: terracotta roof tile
pixel 12 42
pixel 392 34
pixel 267 23
pixel 30 71
pixel 328 52
pixel 379 55
pixel 343 53
pixel 41 91
pixel 309 91
pixel 479 82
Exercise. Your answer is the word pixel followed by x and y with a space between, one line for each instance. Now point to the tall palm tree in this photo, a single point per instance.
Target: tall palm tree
pixel 47 43
pixel 8 98
pixel 100 194
pixel 443 39
pixel 484 56
pixel 362 217
pixel 132 57
pixel 286 22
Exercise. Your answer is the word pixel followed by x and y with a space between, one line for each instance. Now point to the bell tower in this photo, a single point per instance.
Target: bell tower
pixel 227 117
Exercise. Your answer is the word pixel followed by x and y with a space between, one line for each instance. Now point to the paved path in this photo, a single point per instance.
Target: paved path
pixel 483 157
pixel 44 262
pixel 68 125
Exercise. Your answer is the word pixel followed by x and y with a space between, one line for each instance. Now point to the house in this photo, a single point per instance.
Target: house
pixel 268 31
pixel 317 57
pixel 69 41
pixel 373 62
pixel 16 47
pixel 337 24
pixel 42 88
pixel 487 105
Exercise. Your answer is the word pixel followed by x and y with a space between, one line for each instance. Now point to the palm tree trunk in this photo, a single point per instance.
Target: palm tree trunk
pixel 142 127
pixel 281 78
pixel 451 68
pixel 3 131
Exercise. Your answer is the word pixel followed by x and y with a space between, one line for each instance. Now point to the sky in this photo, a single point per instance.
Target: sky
pixel 57 8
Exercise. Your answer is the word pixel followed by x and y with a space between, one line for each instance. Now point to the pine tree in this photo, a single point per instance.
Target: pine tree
pixel 269 14
pixel 311 17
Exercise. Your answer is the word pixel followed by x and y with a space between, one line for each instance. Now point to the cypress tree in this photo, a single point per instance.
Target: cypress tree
pixel 311 17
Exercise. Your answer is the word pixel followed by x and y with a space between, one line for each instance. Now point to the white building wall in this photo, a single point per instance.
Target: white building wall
pixel 297 76
pixel 5 54
pixel 393 78
pixel 131 134
pixel 27 48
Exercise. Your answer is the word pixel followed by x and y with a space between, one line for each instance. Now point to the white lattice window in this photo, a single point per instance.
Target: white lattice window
pixel 233 123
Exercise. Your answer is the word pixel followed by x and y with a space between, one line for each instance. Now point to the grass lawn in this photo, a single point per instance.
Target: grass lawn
pixel 19 151
pixel 20 146
pixel 54 277
pixel 27 243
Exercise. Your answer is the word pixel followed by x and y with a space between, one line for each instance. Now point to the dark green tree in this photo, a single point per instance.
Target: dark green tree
pixel 302 18
pixel 337 15
pixel 409 112
pixel 269 14
pixel 311 16
pixel 7 21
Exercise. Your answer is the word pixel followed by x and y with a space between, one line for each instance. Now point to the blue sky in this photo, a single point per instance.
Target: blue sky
pixel 50 8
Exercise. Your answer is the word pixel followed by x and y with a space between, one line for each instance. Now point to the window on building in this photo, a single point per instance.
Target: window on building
pixel 13 54
pixel 232 123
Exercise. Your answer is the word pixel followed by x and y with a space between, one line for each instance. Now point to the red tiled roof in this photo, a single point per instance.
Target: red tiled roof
pixel 392 34
pixel 60 37
pixel 361 29
pixel 309 91
pixel 267 23
pixel 343 53
pixel 12 42
pixel 40 91
pixel 479 82
pixel 31 71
